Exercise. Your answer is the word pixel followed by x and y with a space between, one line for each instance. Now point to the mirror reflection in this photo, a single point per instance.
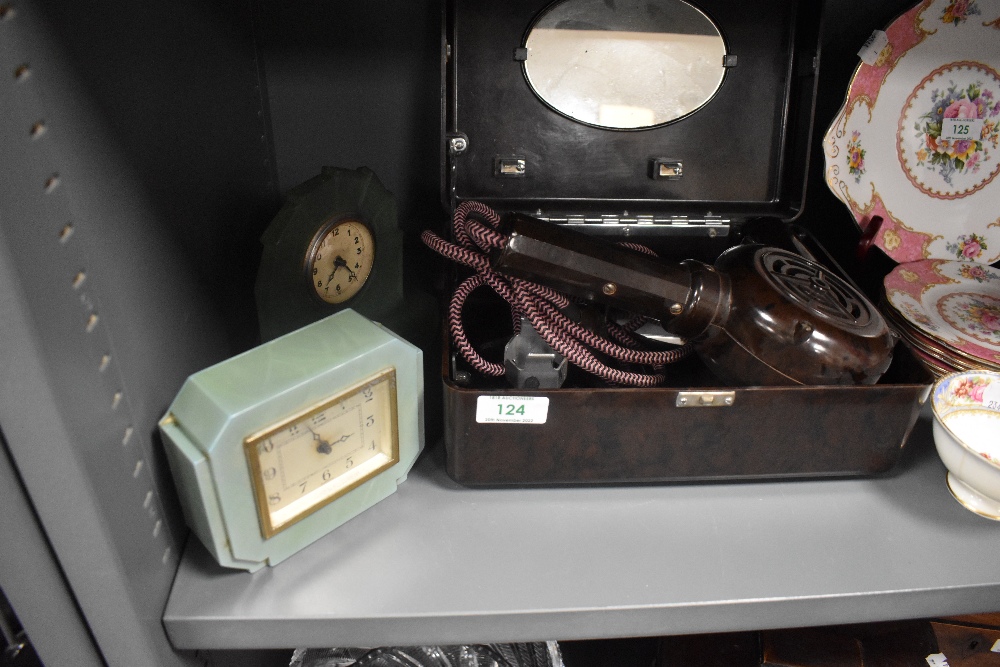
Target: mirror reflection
pixel 625 64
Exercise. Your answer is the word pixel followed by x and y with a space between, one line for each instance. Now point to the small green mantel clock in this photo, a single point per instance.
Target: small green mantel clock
pixel 335 244
pixel 274 448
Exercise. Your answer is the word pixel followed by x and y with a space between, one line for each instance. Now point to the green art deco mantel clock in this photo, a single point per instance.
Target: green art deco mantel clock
pixel 276 447
pixel 336 244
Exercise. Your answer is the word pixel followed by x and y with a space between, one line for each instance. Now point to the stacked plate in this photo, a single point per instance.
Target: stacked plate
pixel 948 312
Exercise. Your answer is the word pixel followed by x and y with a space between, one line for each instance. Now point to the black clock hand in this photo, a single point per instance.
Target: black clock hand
pixel 340 261
pixel 323 447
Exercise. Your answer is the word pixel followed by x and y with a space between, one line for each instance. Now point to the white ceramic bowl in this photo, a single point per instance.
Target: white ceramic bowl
pixel 966 410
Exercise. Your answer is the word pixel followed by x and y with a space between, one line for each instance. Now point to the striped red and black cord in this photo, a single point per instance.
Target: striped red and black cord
pixel 475 230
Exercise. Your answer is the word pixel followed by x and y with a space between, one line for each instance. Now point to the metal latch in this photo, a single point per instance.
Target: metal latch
pixel 706 399
pixel 512 167
pixel 666 169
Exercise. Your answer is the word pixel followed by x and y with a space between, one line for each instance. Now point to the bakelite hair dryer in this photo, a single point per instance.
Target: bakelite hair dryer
pixel 759 316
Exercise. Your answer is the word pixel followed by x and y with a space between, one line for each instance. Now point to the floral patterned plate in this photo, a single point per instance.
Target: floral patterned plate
pixel 955 303
pixel 937 357
pixel 917 142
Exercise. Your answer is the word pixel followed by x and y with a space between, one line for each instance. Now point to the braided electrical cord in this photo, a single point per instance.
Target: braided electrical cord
pixel 475 230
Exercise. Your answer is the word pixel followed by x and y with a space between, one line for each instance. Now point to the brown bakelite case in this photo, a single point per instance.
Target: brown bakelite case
pixel 737 164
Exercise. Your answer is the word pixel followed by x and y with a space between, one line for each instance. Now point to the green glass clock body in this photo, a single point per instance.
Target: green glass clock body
pixel 278 446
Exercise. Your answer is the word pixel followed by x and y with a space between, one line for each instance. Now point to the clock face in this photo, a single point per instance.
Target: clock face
pixel 340 259
pixel 308 459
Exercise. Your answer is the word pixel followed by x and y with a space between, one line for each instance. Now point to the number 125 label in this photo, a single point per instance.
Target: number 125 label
pixel 512 409
pixel 953 129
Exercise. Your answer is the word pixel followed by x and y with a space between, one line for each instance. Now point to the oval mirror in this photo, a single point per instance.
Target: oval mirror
pixel 624 64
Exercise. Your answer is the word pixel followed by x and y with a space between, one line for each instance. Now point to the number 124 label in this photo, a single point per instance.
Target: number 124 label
pixel 512 409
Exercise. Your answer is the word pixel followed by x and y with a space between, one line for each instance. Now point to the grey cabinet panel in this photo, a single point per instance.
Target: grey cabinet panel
pixel 104 316
pixel 33 583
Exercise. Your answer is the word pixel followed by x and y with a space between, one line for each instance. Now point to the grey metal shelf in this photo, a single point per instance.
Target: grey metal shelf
pixel 439 563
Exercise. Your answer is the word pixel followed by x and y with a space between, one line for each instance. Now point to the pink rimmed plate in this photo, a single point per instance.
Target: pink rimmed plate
pixel 938 358
pixel 952 302
pixel 917 142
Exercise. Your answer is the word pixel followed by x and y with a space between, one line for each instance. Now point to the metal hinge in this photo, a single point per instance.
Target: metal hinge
pixel 641 219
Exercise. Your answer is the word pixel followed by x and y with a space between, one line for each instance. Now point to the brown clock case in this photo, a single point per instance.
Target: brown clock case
pixel 737 170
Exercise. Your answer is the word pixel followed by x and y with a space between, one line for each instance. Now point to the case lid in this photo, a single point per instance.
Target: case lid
pixel 742 154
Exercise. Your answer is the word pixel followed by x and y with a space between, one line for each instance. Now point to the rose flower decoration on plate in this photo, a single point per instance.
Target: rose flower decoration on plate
pixel 915 151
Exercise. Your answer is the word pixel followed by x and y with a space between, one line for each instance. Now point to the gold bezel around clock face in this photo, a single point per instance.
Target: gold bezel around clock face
pixel 308 459
pixel 340 258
